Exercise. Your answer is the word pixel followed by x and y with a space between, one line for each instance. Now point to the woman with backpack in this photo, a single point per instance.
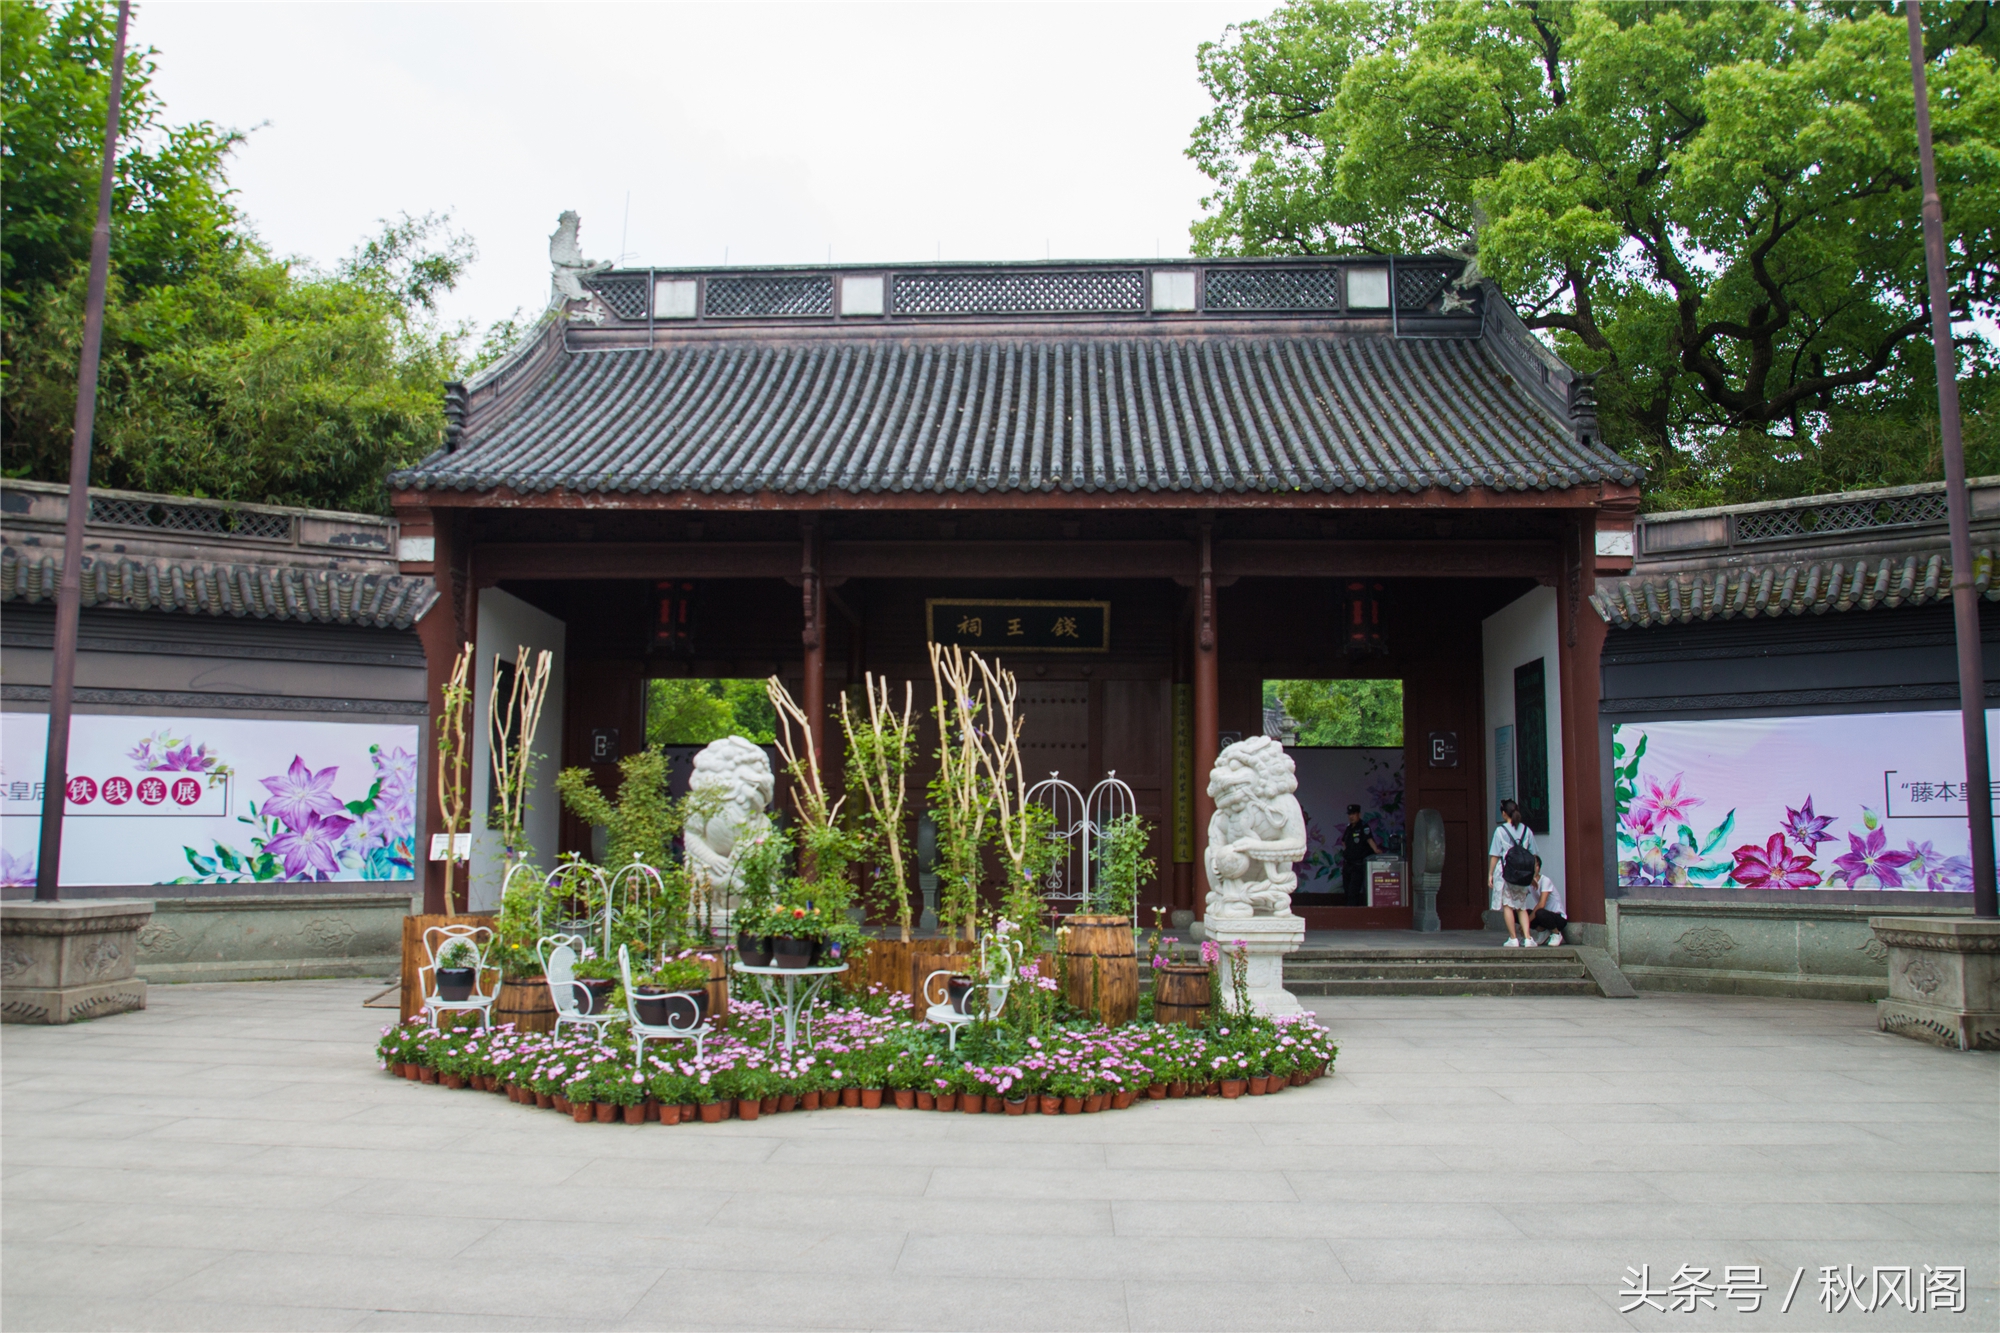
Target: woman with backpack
pixel 1511 863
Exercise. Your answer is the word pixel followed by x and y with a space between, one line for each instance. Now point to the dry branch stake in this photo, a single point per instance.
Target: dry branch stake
pixel 879 757
pixel 513 734
pixel 452 751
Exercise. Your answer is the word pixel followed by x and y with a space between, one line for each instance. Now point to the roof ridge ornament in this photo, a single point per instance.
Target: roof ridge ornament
pixel 568 269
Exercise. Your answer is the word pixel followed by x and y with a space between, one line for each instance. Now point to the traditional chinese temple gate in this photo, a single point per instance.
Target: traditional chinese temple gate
pixel 1145 488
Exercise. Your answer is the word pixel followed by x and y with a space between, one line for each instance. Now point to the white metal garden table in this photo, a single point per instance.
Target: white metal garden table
pixel 796 999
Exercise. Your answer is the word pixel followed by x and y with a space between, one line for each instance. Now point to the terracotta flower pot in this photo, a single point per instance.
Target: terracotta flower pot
pixel 1017 1107
pixel 1232 1087
pixel 425 1074
pixel 1121 1100
pixel 606 1112
pixel 1156 1092
pixel 926 1101
pixel 689 1113
pixel 995 1105
pixel 712 1112
pixel 811 1101
pixel 906 1098
pixel 871 1098
pixel 543 1101
pixel 1072 1105
pixel 748 1108
pixel 1093 1103
pixel 1177 1088
pixel 1259 1085
pixel 788 1101
pixel 1051 1104
pixel 452 1081
pixel 1278 1083
pixel 561 1103
pixel 947 1101
pixel 1300 1078
pixel 850 1096
pixel 972 1103
pixel 670 1115
pixel 581 1112
pixel 635 1114
pixel 1214 1088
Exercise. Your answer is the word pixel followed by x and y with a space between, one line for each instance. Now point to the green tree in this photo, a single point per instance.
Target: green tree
pixel 226 372
pixel 1712 205
pixel 694 712
pixel 1341 712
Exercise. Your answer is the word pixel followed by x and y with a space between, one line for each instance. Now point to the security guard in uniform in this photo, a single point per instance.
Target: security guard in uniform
pixel 1356 846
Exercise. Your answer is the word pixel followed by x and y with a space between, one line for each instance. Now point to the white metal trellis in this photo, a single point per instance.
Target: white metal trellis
pixel 643 889
pixel 1080 822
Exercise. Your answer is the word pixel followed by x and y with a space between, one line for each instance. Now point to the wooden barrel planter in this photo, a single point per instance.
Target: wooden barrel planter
pixel 526 1004
pixel 1098 957
pixel 1182 993
pixel 718 990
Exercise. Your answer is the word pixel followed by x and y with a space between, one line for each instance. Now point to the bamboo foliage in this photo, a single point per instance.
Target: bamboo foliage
pixel 878 758
pixel 512 725
pixel 453 750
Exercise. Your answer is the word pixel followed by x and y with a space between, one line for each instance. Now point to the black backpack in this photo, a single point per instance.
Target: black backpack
pixel 1518 865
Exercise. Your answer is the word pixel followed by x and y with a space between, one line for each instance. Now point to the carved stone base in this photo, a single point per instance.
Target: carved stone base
pixel 63 962
pixel 1944 980
pixel 1266 940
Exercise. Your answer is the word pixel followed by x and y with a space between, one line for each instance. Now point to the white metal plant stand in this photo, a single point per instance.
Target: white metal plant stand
pixel 694 1030
pixel 999 958
pixel 436 940
pixel 559 954
pixel 791 998
pixel 1079 823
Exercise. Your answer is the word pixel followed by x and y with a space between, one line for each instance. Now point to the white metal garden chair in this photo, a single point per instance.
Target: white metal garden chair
pixel 437 939
pixel 559 955
pixel 694 1029
pixel 999 957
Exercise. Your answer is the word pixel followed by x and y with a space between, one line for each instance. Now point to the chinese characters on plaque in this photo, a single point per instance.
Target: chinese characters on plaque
pixel 1020 626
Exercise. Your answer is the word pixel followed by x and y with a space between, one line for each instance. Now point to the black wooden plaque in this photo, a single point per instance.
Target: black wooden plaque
pixel 1531 744
pixel 1015 626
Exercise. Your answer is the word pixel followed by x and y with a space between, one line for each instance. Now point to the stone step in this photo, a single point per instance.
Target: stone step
pixel 1527 969
pixel 1445 986
pixel 1418 953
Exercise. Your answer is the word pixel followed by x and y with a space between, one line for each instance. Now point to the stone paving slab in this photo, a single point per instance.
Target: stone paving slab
pixel 230 1158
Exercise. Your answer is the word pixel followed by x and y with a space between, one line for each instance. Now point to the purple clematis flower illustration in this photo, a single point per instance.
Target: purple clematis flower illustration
pixel 1871 859
pixel 1807 829
pixel 308 846
pixel 1938 872
pixel 1773 866
pixel 17 874
pixel 301 793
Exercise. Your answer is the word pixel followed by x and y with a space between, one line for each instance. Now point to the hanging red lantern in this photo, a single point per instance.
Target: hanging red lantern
pixel 1361 629
pixel 673 629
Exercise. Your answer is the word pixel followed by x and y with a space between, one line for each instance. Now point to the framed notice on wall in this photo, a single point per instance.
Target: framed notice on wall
pixel 1008 626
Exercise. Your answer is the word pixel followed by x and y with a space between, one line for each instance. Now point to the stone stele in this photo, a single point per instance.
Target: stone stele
pixel 62 962
pixel 1944 980
pixel 729 789
pixel 1256 836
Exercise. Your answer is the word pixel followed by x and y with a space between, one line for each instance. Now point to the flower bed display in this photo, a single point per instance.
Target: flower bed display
pixel 870 1055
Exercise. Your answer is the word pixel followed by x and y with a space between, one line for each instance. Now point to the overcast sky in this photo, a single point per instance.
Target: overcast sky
pixel 763 133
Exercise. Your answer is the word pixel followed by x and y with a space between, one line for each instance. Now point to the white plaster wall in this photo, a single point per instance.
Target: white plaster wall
pixel 1513 636
pixel 506 623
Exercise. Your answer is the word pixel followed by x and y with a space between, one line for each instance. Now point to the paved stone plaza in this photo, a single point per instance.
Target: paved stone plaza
pixel 232 1159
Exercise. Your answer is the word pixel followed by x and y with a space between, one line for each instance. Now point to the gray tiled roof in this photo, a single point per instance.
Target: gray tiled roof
pixel 379 600
pixel 1224 412
pixel 1787 587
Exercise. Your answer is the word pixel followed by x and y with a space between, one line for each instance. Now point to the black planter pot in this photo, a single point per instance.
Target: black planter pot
pixel 594 996
pixel 788 952
pixel 958 991
pixel 675 1009
pixel 753 950
pixel 455 983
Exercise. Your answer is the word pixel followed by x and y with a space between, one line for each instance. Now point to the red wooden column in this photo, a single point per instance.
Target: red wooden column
pixel 812 695
pixel 426 547
pixel 1580 644
pixel 1207 709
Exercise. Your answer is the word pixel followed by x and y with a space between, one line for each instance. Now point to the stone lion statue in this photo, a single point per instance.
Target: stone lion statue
pixel 729 790
pixel 1257 832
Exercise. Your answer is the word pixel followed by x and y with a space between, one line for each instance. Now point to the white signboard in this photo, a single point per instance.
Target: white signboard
pixel 203 800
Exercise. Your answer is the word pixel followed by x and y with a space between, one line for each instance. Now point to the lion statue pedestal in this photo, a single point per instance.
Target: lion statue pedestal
pixel 1258 833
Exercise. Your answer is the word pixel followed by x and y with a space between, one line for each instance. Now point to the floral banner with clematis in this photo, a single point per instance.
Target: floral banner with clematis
pixel 204 800
pixel 1846 801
